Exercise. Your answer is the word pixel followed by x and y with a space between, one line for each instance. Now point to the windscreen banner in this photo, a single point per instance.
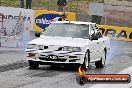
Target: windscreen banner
pixel 116 32
pixel 42 18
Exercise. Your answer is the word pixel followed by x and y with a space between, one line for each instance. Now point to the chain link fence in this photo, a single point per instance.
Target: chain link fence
pixel 77 6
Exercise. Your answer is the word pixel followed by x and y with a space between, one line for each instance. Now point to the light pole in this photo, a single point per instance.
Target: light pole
pixel 76 8
pixel 70 5
pixel 0 2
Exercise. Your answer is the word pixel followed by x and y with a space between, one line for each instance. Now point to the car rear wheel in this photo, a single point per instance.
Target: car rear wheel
pixel 33 64
pixel 101 63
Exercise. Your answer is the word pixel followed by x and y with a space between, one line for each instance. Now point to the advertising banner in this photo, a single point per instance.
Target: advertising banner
pixel 15 26
pixel 42 18
pixel 116 33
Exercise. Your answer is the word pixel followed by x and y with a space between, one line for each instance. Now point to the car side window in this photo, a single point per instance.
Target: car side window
pixel 98 32
pixel 95 31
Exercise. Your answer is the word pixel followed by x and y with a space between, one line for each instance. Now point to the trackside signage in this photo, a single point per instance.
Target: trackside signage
pixel 116 33
pixel 15 26
pixel 42 18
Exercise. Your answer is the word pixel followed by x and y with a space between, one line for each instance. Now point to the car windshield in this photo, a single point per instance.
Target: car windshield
pixel 67 30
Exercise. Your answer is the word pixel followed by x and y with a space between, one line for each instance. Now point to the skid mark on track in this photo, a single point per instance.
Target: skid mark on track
pixel 40 74
pixel 13 66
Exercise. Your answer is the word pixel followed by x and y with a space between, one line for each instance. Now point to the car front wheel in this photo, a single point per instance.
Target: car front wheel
pixel 86 59
pixel 101 63
pixel 33 64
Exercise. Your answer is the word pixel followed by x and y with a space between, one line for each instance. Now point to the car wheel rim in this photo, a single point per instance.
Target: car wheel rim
pixel 86 60
pixel 103 58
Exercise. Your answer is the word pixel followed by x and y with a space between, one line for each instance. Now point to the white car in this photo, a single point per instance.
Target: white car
pixel 69 42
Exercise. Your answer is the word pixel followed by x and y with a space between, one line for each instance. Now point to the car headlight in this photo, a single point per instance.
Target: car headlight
pixel 73 49
pixel 31 46
pixel 40 47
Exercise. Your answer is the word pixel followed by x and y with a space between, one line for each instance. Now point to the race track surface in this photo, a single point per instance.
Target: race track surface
pixel 15 72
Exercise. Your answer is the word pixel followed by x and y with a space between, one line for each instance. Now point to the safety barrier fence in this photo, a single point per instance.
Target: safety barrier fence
pixel 116 32
pixel 20 22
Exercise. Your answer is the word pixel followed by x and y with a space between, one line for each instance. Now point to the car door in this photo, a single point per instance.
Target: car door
pixel 101 42
pixel 95 44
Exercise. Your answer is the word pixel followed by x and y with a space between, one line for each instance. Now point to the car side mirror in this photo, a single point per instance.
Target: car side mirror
pixel 94 37
pixel 37 34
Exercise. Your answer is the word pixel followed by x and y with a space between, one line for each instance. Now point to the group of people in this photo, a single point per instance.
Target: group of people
pixel 28 4
pixel 60 3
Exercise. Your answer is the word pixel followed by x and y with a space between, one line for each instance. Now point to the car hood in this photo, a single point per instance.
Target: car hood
pixel 60 41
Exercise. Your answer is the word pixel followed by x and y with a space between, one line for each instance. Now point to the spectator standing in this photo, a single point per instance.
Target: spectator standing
pixel 28 4
pixel 22 3
pixel 63 18
pixel 61 4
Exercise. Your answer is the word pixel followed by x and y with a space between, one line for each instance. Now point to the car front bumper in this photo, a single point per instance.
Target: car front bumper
pixel 63 57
